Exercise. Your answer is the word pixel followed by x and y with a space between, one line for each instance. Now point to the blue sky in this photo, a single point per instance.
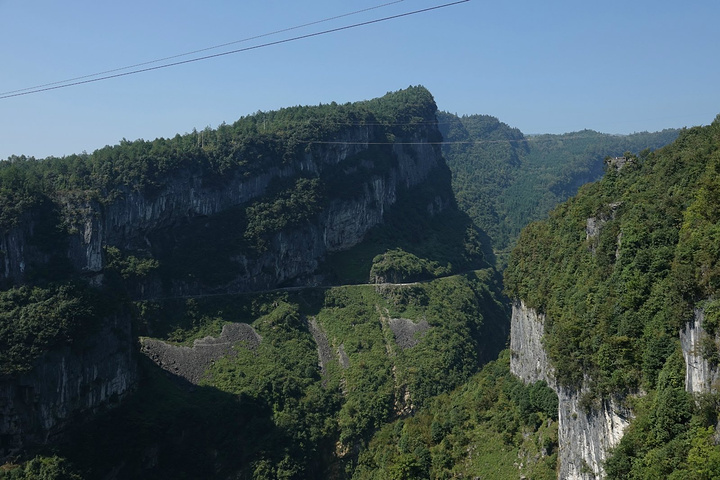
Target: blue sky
pixel 543 67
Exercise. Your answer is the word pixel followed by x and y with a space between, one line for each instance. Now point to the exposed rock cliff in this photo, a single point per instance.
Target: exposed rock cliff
pixel 528 358
pixel 363 171
pixel 701 376
pixel 66 385
pixel 587 433
pixel 584 434
pixel 137 220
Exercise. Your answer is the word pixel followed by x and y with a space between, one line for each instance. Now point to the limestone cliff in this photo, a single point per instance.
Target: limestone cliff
pixel 136 220
pixel 67 384
pixel 701 376
pixel 585 434
pixel 364 170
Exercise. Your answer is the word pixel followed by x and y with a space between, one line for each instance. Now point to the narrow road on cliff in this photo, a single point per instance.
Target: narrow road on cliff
pixel 302 287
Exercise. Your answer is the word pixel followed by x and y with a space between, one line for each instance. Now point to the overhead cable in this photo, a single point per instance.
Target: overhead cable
pixel 202 49
pixel 216 55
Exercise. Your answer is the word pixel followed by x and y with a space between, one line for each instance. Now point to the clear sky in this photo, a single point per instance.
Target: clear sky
pixel 553 66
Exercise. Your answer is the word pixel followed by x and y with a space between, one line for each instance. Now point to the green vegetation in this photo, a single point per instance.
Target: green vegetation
pixel 492 427
pixel 617 295
pixel 250 146
pixel 273 412
pixel 128 267
pixel 672 435
pixel 397 266
pixel 616 300
pixel 505 180
pixel 40 468
pixel 290 208
pixel 34 320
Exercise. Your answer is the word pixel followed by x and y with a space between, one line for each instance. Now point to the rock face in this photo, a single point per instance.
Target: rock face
pixel 528 359
pixel 67 384
pixel 700 375
pixel 584 436
pixel 408 333
pixel 82 379
pixel 134 220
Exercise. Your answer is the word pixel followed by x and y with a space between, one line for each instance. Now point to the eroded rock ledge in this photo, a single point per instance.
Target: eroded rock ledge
pixel 191 363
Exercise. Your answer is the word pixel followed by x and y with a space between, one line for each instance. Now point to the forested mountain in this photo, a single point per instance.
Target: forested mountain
pixel 624 278
pixel 307 293
pixel 504 179
pixel 168 307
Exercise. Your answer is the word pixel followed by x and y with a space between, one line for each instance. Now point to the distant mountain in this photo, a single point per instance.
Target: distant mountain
pixel 504 179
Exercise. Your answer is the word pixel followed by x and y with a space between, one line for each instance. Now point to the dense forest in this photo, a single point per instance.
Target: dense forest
pixel 252 144
pixel 504 179
pixel 389 360
pixel 616 297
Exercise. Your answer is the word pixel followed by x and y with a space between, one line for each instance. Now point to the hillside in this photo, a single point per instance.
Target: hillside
pixel 621 282
pixel 306 294
pixel 256 300
pixel 504 179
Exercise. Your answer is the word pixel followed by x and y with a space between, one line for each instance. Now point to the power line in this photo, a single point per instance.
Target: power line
pixel 240 50
pixel 459 142
pixel 444 142
pixel 202 49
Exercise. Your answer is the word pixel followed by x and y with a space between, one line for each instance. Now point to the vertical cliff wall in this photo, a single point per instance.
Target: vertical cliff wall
pixel 585 434
pixel 362 167
pixel 67 384
pixel 701 375
pixel 147 220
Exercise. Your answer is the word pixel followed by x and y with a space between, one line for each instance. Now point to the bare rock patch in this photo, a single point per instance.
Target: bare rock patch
pixel 191 363
pixel 343 357
pixel 408 333
pixel 323 346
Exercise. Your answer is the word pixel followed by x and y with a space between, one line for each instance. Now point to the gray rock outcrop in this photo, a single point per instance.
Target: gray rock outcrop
pixel 191 363
pixel 408 333
pixel 584 436
pixel 701 375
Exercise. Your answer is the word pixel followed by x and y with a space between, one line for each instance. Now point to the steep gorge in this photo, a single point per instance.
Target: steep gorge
pixel 214 247
pixel 612 299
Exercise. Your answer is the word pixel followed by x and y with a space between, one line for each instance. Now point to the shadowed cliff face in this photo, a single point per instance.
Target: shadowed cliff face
pixel 69 383
pixel 168 221
pixel 198 232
